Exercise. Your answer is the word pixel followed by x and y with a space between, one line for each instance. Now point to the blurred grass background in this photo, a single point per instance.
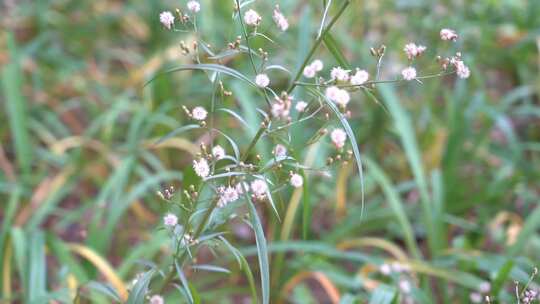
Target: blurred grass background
pixel 452 170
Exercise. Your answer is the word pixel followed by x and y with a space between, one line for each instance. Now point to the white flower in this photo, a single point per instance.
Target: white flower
pixel 280 20
pixel 218 152
pixel 448 34
pixel 409 73
pixel 262 80
pixel 317 64
pixel 301 106
pixel 462 70
pixel 297 180
pixel 170 220
pixel 405 286
pixel 157 299
pixel 475 297
pixel 360 77
pixel 309 71
pixel 338 137
pixel 226 195
pixel 385 269
pixel 484 287
pixel 398 267
pixel 259 187
pixel 252 18
pixel 332 92
pixel 342 98
pixel 280 151
pixel 201 167
pixel 194 6
pixel 412 50
pixel 337 95
pixel 340 74
pixel 167 19
pixel 199 113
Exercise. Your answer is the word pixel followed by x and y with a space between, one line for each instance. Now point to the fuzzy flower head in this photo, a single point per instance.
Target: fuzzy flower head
pixel 281 108
pixel 280 20
pixel 301 106
pixel 337 95
pixel 317 64
pixel 167 19
pixel 259 187
pixel 339 74
pixel 170 220
pixel 360 77
pixel 280 151
pixel 462 70
pixel 448 34
pixel 412 50
pixel 297 180
pixel 252 18
pixel 338 137
pixel 309 71
pixel 385 269
pixel 409 73
pixel 218 152
pixel 405 286
pixel 199 113
pixel 201 167
pixel 262 80
pixel 194 6
pixel 156 299
pixel 226 195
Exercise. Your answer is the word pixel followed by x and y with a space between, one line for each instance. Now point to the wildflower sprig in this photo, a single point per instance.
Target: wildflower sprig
pixel 229 174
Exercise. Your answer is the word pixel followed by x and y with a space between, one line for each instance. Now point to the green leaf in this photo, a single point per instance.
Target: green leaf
pixel 105 289
pixel 352 138
pixel 184 282
pixel 16 107
pixel 206 67
pixel 138 293
pixel 37 278
pixel 396 204
pixel 383 294
pixel 335 49
pixel 262 250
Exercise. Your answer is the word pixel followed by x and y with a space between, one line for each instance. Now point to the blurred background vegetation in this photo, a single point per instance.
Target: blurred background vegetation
pixel 79 167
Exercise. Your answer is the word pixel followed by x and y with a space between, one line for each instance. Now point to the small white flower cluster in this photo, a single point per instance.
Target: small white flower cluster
pixel 483 288
pixel 199 113
pixel 156 299
pixel 301 106
pixel 201 167
pixel 360 77
pixel 259 188
pixel 462 70
pixel 262 80
pixel 408 73
pixel 338 137
pixel 280 20
pixel 280 151
pixel 227 195
pixel 339 74
pixel 167 19
pixel 194 6
pixel 281 107
pixel 448 34
pixel 296 180
pixel 337 95
pixel 170 220
pixel 412 50
pixel 252 18
pixel 218 152
pixel 313 68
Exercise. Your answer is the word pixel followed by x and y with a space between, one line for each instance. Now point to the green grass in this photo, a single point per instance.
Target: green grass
pixel 449 183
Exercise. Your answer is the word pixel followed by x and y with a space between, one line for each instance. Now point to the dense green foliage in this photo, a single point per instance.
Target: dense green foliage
pixel 451 173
